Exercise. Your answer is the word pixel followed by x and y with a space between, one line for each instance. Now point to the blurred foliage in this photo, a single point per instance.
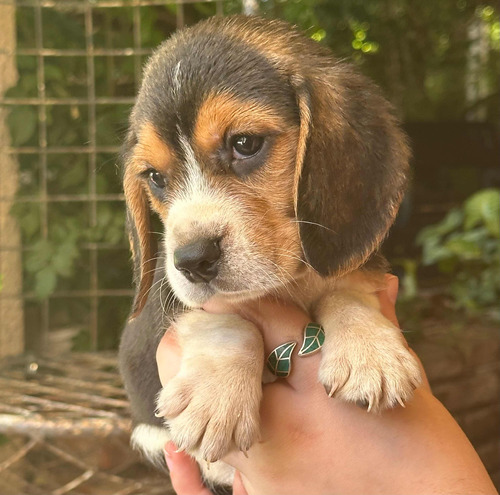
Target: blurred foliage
pixel 417 51
pixel 465 247
pixel 57 256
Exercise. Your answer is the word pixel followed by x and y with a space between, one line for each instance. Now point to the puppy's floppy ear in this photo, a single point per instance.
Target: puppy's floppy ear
pixel 139 228
pixel 351 170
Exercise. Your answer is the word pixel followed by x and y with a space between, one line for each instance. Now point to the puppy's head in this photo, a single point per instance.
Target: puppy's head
pixel 262 156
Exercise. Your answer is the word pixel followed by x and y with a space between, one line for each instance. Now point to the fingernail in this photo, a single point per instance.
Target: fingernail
pixel 392 289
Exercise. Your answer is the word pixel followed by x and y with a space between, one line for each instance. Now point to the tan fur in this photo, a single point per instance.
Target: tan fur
pixel 137 201
pixel 152 151
pixel 364 356
pixel 305 128
pixel 215 418
pixel 221 113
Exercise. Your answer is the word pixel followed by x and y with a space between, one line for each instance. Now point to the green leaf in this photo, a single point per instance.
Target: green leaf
pixel 22 124
pixel 484 207
pixel 434 252
pixel 74 176
pixel 452 221
pixel 39 256
pixel 465 249
pixel 31 223
pixel 45 282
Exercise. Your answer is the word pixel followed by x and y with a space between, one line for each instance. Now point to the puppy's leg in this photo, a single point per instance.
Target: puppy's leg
pixel 212 404
pixel 365 359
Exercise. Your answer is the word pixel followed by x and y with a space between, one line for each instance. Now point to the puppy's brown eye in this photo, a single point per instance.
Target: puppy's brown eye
pixel 245 146
pixel 157 179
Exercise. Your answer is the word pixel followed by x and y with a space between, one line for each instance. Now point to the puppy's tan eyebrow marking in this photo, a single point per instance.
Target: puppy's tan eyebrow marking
pixel 152 150
pixel 221 112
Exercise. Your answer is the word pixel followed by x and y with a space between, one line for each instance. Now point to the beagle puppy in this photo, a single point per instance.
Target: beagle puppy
pixel 274 169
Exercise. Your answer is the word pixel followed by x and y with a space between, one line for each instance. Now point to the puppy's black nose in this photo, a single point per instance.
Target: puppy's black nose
pixel 198 261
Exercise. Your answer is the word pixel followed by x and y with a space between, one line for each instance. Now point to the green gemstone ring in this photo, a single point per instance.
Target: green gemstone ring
pixel 314 337
pixel 279 362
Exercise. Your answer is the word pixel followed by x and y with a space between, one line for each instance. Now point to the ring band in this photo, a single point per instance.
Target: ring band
pixel 279 362
pixel 314 337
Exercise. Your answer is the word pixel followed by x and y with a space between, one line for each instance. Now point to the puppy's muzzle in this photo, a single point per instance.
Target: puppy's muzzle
pixel 198 261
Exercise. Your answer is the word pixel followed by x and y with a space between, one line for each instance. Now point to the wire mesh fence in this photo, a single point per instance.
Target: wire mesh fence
pixel 79 65
pixel 64 428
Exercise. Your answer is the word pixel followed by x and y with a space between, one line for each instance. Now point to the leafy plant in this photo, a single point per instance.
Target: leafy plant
pixel 465 246
pixel 56 234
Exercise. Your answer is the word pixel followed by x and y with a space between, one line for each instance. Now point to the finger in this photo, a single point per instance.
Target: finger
pixel 387 298
pixel 276 319
pixel 238 487
pixel 425 381
pixel 281 323
pixel 168 356
pixel 184 472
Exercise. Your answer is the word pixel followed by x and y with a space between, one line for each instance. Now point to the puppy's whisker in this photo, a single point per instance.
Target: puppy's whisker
pixel 153 286
pixel 291 255
pixel 313 223
pixel 275 280
pixel 146 295
pixel 149 271
pixel 283 284
pixel 156 258
pixel 168 313
pixel 288 277
pixel 169 310
pixel 162 305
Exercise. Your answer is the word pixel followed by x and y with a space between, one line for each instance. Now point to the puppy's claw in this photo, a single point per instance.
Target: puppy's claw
pixel 331 390
pixel 400 400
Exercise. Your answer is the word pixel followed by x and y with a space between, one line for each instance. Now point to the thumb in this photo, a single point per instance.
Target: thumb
pixel 184 472
pixel 238 487
pixel 387 298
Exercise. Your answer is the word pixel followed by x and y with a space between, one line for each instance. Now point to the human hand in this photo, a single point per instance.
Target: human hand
pixel 313 444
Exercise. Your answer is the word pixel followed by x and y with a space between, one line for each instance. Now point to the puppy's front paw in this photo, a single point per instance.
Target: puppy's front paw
pixel 369 366
pixel 210 414
pixel 212 405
